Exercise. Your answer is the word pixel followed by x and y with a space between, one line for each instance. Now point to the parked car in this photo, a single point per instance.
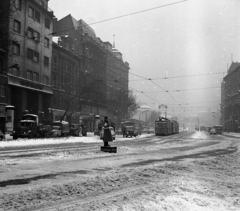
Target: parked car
pixel 84 129
pixel 118 131
pixel 112 132
pixel 75 130
pixel 150 131
pixel 56 131
pixel 60 129
pixel 213 131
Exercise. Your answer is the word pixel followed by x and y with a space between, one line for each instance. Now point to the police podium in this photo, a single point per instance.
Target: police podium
pixel 109 149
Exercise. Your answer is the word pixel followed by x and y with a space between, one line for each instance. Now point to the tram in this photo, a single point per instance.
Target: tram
pixel 164 126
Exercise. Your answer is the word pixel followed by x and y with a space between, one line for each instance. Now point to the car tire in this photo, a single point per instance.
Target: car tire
pixel 30 136
pixel 15 137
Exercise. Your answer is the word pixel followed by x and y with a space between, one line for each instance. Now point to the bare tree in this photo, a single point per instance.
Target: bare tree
pixel 73 94
pixel 123 105
pixel 152 118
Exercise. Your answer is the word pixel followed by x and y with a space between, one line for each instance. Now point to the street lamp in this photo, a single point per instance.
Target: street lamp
pixel 12 66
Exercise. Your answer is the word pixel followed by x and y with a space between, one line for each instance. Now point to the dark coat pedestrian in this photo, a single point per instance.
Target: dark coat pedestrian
pixel 107 137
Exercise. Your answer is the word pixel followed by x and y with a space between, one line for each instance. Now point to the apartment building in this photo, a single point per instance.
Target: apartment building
pixel 230 99
pixel 29 55
pixel 102 66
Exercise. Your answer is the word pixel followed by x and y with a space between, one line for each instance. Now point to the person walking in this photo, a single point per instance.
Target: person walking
pixel 107 136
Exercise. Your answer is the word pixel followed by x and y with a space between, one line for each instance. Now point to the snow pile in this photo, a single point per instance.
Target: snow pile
pixel 90 138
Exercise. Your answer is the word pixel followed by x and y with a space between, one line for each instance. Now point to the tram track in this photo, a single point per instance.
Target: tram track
pixel 83 148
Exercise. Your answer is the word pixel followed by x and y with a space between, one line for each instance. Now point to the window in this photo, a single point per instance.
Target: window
pixel 30 33
pixel 47 23
pixel 45 80
pixel 17 26
pixel 29 53
pixel 16 48
pixel 18 4
pixel 36 77
pixel 35 56
pixel 36 36
pixel 54 63
pixel 37 16
pixel 42 3
pixel 31 12
pixel 46 42
pixel 34 14
pixel 54 79
pixel 46 61
pixel 29 75
pixel 14 71
pixel 2 90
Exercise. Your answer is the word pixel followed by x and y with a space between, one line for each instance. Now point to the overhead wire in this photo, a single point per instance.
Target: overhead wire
pixel 142 92
pixel 181 76
pixel 181 90
pixel 121 16
pixel 143 78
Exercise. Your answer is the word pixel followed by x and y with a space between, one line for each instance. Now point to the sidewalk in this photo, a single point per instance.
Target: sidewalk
pixel 90 138
pixel 231 134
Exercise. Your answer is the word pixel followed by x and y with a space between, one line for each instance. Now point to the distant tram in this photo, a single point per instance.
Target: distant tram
pixel 164 126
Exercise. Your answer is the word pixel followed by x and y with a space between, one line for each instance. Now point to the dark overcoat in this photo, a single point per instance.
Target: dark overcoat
pixel 107 137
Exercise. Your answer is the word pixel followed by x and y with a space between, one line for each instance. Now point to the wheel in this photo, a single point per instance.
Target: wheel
pixel 46 135
pixel 30 136
pixel 15 137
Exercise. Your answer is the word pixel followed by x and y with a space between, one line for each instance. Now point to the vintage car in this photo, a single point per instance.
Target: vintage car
pixel 75 130
pixel 213 131
pixel 60 128
pixel 112 132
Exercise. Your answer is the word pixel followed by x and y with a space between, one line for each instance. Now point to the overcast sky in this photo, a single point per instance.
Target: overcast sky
pixel 176 39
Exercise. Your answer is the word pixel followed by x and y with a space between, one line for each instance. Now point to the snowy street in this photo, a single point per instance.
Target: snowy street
pixel 187 171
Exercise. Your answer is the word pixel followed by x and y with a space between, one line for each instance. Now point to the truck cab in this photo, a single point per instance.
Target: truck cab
pixel 29 127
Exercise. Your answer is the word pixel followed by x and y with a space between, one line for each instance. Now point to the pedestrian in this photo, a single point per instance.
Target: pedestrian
pixel 107 136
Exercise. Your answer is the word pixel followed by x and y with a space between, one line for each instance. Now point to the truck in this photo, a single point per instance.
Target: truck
pixel 60 128
pixel 30 127
pixel 130 128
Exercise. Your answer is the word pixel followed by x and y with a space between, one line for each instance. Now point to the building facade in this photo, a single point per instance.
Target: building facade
pixel 102 71
pixel 230 99
pixel 30 29
pixel 117 74
pixel 76 77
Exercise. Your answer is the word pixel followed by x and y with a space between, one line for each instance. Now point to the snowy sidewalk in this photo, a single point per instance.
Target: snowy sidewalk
pixel 90 138
pixel 232 134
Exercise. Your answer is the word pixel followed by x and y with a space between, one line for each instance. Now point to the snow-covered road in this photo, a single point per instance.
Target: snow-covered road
pixel 189 171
